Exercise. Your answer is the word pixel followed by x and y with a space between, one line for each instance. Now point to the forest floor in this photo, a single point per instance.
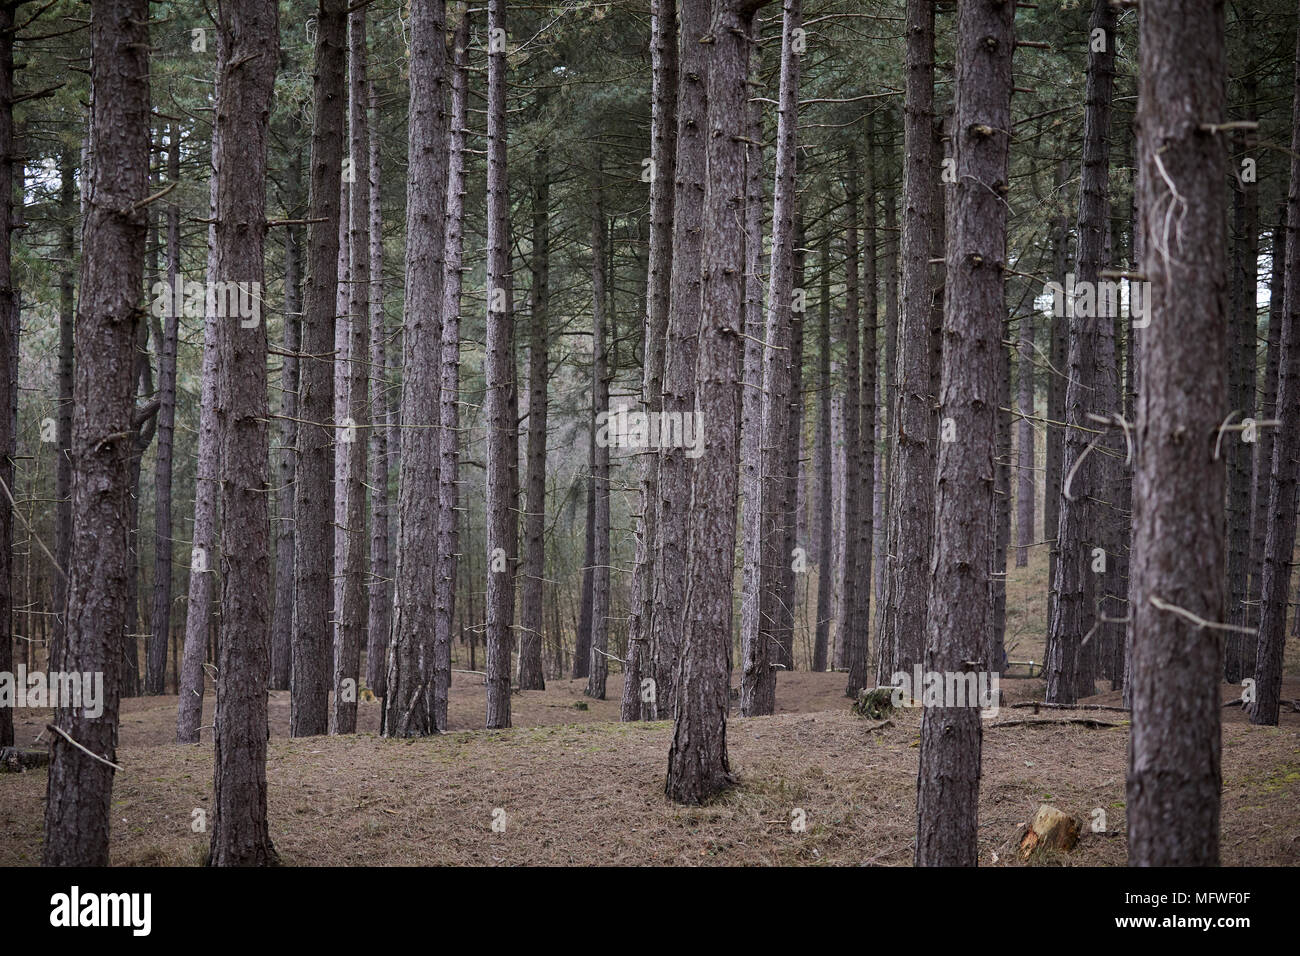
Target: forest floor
pixel 574 786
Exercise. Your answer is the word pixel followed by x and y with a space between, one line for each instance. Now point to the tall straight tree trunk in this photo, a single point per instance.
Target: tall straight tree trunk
pixel 825 513
pixel 80 782
pixel 889 396
pixel 947 797
pixel 499 372
pixel 1057 378
pixel 379 599
pixel 9 359
pixel 599 669
pixel 534 569
pixel 782 395
pixel 449 397
pixel 848 585
pixel 1001 518
pixel 203 547
pixel 859 630
pixel 697 759
pixel 287 460
pixel 410 707
pixel 1280 530
pixel 354 616
pixel 248 55
pixel 689 187
pixel 902 621
pixel 1267 412
pixel 1174 779
pixel 1072 615
pixel 313 500
pixel 156 664
pixel 757 680
pixel 68 209
pixel 659 270
pixel 582 644
pixel 1026 452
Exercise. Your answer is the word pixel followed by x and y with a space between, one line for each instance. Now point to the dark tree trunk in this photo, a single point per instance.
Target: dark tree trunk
pixel 697 759
pixel 313 500
pixel 248 56
pixel 409 707
pixel 847 585
pixel 449 409
pixel 499 372
pixel 663 161
pixel 1057 343
pixel 156 664
pixel 689 185
pixel 9 359
pixel 889 397
pixel 1177 566
pixel 598 671
pixel 68 209
pixel 379 599
pixel 1280 530
pixel 1068 670
pixel 951 735
pixel 1026 458
pixel 531 676
pixel 79 790
pixel 287 460
pixel 902 619
pixel 825 515
pixel 582 646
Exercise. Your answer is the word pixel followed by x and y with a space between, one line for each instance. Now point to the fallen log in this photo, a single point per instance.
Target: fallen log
pixel 1089 722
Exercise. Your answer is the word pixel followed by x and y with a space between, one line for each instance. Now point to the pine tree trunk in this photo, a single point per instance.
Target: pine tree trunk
pixel 598 670
pixel 912 479
pixel 247 59
pixel 889 400
pixel 682 345
pixel 156 663
pixel 203 549
pixel 534 569
pixel 1280 530
pixel 409 706
pixel 1054 440
pixel 663 161
pixel 68 209
pixel 951 735
pixel 757 680
pixel 79 789
pixel 1174 779
pixel 313 500
pixel 353 612
pixel 697 759
pixel 9 358
pixel 499 372
pixel 449 398
pixel 287 460
pixel 379 599
pixel 825 511
pixel 1068 671
pixel 1027 459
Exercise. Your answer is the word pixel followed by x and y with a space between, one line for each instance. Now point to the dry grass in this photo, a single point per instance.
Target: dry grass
pixel 578 788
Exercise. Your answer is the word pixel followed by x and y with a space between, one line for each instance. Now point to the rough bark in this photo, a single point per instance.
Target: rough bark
pixel 353 614
pixel 598 670
pixel 248 54
pixel 534 569
pixel 8 358
pixel 825 515
pixel 287 459
pixel 449 398
pixel 682 345
pixel 499 371
pixel 1280 530
pixel 663 162
pixel 313 500
pixel 951 735
pixel 1174 779
pixel 68 209
pixel 79 788
pixel 1026 437
pixel 1073 614
pixel 379 599
pixel 409 707
pixel 902 621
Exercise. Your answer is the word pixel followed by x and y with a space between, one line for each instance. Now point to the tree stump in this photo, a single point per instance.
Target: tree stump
pixel 1050 828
